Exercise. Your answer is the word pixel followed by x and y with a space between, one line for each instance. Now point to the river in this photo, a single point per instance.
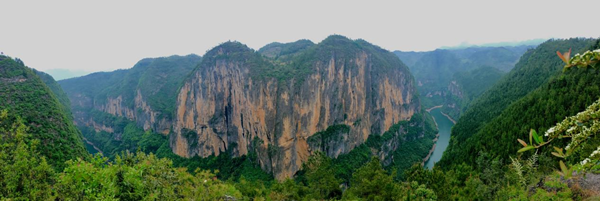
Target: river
pixel 444 126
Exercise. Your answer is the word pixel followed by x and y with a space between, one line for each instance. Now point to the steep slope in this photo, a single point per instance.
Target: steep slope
pixel 57 90
pixel 506 111
pixel 436 72
pixel 466 87
pixel 144 94
pixel 23 93
pixel 241 102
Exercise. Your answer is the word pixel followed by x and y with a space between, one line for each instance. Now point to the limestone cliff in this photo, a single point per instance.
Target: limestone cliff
pixel 144 94
pixel 238 100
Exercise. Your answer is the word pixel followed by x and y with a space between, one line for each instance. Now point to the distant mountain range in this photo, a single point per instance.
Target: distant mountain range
pixel 532 42
pixel 61 74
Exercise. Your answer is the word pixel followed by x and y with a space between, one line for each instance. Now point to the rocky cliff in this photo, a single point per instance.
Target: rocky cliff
pixel 241 101
pixel 144 94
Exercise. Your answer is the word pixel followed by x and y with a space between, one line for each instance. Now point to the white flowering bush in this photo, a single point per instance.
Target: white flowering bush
pixel 585 60
pixel 578 128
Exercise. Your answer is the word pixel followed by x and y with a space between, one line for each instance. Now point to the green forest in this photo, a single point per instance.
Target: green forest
pixel 531 136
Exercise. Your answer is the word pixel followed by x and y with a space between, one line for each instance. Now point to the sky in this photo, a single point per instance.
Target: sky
pixel 107 35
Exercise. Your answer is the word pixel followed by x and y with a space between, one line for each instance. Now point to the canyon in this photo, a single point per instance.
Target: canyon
pixel 240 101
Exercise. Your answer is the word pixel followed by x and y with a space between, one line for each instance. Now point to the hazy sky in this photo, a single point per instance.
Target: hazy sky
pixel 107 35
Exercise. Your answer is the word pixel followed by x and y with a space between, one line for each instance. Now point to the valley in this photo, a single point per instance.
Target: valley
pixel 299 101
pixel 318 119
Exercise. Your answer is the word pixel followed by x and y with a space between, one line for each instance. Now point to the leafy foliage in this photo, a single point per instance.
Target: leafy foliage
pixel 24 173
pixel 23 93
pixel 511 106
pixel 57 90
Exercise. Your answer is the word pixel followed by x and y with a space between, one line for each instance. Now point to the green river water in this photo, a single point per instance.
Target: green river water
pixel 444 125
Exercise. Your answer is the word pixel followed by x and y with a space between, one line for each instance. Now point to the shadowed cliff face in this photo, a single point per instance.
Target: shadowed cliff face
pixel 224 105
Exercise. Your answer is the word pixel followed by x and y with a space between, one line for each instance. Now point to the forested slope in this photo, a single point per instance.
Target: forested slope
pixel 24 94
pixel 499 111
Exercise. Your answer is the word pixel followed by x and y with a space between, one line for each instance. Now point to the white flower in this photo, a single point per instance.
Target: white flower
pixel 594 153
pixel 549 131
pixel 587 160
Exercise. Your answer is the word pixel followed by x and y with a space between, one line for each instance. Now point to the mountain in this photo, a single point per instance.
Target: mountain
pixel 23 93
pixel 113 109
pixel 466 86
pixel 145 93
pixel 532 42
pixel 57 90
pixel 438 73
pixel 534 95
pixel 272 108
pixel 239 100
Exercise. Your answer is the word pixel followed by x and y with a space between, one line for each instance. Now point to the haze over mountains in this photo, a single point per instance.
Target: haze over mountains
pixel 453 78
pixel 315 119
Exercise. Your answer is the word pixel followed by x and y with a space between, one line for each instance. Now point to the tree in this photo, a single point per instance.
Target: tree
pixel 24 173
pixel 372 182
pixel 320 176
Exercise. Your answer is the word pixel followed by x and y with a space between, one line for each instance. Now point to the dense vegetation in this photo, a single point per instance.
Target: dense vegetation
pixel 24 93
pixel 454 77
pixel 488 165
pixel 282 51
pixel 466 87
pixel 488 162
pixel 25 175
pixel 415 138
pixel 509 109
pixel 57 90
pixel 158 79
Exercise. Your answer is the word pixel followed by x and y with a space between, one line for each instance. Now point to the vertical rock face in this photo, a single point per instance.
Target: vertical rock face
pixel 240 101
pixel 144 94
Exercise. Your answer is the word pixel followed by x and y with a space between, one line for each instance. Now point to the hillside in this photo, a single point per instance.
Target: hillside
pixel 57 90
pixel 144 94
pixel 24 94
pixel 466 86
pixel 439 73
pixel 514 98
pixel 114 109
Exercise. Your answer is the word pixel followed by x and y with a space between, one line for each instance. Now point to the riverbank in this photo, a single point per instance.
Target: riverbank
pixel 431 150
pixel 429 110
pixel 449 118
pixel 94 146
